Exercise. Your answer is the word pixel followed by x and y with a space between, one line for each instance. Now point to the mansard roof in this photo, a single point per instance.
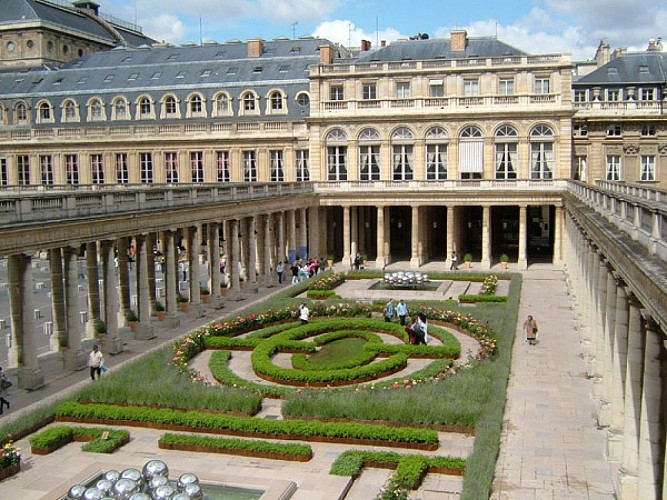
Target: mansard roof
pixel 638 68
pixel 419 50
pixel 15 13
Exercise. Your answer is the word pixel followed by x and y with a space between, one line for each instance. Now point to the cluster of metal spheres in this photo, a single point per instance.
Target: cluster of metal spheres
pixel 403 278
pixel 151 483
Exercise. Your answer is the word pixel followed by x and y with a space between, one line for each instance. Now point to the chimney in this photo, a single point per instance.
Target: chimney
pixel 88 6
pixel 619 52
pixel 365 45
pixel 255 47
pixel 383 43
pixel 651 45
pixel 326 54
pixel 459 40
pixel 602 54
pixel 658 45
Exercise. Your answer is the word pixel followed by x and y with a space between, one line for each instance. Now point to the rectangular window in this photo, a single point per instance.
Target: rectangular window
pixel 613 95
pixel 471 87
pixel 72 169
pixel 276 167
pixel 402 161
pixel 197 166
pixel 402 90
pixel 648 130
pixel 541 85
pixel 436 162
pixel 580 162
pixel 647 173
pixel 369 91
pixel 613 168
pixel 336 93
pixel 506 160
pixel 46 169
pixel 614 131
pixel 23 165
pixel 541 160
pixel 224 172
pixel 302 160
pixel 337 163
pixel 506 86
pixel 171 167
pixel 122 169
pixel 97 168
pixel 4 175
pixel 249 166
pixel 580 95
pixel 436 88
pixel 369 163
pixel 146 168
pixel 580 130
pixel 646 94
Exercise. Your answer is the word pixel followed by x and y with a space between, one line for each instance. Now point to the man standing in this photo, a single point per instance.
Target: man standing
pixel 402 311
pixel 280 270
pixel 389 311
pixel 95 362
pixel 303 314
pixel 454 265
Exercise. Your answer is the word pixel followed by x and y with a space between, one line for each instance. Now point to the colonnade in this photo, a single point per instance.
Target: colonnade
pixel 252 246
pixel 625 351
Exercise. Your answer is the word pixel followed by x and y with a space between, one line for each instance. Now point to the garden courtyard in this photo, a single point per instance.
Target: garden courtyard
pixel 344 407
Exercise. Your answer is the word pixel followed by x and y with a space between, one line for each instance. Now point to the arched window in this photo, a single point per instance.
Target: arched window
pixel 541 152
pixel 436 154
pixel 369 155
pixel 276 101
pixel 402 158
pixel 222 104
pixel 21 113
pixel 96 111
pixel 170 107
pixel 45 113
pixel 145 108
pixel 506 160
pixel 70 112
pixel 471 153
pixel 249 103
pixel 196 105
pixel 336 142
pixel 120 109
pixel 2 113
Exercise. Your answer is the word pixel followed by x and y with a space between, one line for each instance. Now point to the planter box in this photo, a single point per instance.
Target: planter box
pixel 238 452
pixel 9 471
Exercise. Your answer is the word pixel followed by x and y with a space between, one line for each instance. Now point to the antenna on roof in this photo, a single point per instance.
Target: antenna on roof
pixel 294 25
pixel 377 31
pixel 349 35
pixel 200 36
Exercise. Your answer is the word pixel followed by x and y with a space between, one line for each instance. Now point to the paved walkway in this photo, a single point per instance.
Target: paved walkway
pixel 550 447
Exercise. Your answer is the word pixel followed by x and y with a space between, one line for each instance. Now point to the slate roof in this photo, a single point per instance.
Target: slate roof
pixel 419 50
pixel 14 12
pixel 648 67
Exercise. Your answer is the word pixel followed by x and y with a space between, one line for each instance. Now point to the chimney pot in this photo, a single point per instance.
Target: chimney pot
pixel 459 40
pixel 255 47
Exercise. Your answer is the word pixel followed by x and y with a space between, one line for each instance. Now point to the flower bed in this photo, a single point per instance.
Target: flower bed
pixel 10 459
pixel 98 440
pixel 194 421
pixel 259 449
pixel 328 281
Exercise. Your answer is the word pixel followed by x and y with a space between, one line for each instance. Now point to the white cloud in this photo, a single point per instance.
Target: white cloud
pixel 348 34
pixel 164 27
pixel 287 11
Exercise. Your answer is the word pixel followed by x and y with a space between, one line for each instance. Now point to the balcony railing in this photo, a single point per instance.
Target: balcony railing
pixel 439 186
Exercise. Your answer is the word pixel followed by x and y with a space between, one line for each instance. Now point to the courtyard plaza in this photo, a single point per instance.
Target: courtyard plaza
pixel 550 446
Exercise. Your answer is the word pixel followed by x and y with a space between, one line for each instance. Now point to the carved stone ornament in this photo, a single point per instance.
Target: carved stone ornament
pixel 631 149
pixel 662 149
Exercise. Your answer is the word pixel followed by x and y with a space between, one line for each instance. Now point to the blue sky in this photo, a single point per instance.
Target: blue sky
pixel 536 26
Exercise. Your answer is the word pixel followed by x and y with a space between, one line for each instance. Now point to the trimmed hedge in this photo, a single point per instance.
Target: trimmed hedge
pixel 482 298
pixel 225 424
pixel 99 440
pixel 263 449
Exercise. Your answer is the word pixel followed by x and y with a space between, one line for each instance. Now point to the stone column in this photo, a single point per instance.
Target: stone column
pixel 354 234
pixel 144 328
pixel 609 318
pixel 234 292
pixel 58 338
pixel 522 262
pixel 124 278
pixel 267 267
pixel 619 361
pixel 74 357
pixel 94 314
pixel 214 264
pixel 303 233
pixel 291 236
pixel 381 259
pixel 314 232
pixel 251 278
pixel 486 238
pixel 414 239
pixel 112 343
pixel 150 271
pixel 195 309
pixel 171 319
pixel 280 223
pixel 558 236
pixel 651 426
pixel 451 236
pixel 598 329
pixel 227 250
pixel 347 255
pixel 629 471
pixel 24 332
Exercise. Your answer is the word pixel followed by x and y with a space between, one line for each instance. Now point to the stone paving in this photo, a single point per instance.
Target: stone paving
pixel 550 447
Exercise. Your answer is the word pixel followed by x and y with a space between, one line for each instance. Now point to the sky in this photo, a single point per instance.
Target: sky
pixel 535 26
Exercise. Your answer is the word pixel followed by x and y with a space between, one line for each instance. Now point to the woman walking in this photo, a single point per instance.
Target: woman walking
pixel 530 326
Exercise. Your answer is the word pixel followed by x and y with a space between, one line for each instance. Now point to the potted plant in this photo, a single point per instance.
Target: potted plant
pixel 10 460
pixel 467 258
pixel 205 293
pixel 159 310
pixel 100 329
pixel 182 302
pixel 132 319
pixel 503 260
pixel 364 260
pixel 330 261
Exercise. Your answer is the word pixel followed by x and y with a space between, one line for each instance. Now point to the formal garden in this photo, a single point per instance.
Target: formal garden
pixel 345 377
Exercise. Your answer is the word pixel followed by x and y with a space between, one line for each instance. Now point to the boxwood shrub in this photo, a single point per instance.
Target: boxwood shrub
pixel 99 440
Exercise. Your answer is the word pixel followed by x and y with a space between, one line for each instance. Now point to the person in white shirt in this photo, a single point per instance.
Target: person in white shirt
pixel 95 362
pixel 303 314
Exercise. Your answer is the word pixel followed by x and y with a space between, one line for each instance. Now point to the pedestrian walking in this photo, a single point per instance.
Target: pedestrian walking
pixel 530 326
pixel 280 270
pixel 389 311
pixel 402 311
pixel 95 362
pixel 303 313
pixel 294 268
pixel 5 384
pixel 454 266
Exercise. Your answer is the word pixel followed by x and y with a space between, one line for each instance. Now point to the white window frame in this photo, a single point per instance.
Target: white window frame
pixel 146 170
pixel 277 165
pixel 72 169
pixel 97 168
pixel 249 165
pixel 613 168
pixel 223 166
pixel 197 166
pixel 122 168
pixel 647 165
pixel 542 85
pixel 302 165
